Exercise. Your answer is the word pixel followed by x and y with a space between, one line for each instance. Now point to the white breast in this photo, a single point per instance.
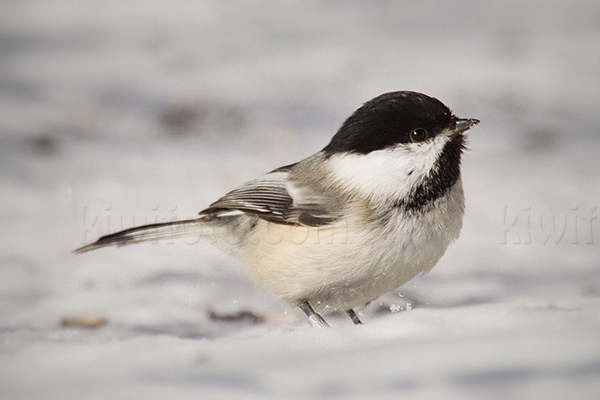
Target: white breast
pixel 355 261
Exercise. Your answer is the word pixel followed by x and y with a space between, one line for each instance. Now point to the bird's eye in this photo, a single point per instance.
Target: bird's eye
pixel 418 135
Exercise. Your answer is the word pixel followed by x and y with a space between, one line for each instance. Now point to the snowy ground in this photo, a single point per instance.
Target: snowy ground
pixel 134 111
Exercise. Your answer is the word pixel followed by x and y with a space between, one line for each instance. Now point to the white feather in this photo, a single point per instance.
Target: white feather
pixel 352 262
pixel 358 258
pixel 387 174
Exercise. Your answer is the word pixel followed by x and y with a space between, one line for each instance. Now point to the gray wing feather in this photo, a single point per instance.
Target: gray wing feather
pixel 268 198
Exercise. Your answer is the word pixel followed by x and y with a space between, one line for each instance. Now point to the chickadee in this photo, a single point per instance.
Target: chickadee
pixel 377 206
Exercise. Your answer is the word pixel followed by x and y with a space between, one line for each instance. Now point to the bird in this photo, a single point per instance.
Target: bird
pixel 376 207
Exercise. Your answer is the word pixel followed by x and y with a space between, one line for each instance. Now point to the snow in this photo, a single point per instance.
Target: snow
pixel 142 111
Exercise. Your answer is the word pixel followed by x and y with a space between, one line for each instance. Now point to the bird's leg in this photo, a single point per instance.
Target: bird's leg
pixel 314 318
pixel 354 317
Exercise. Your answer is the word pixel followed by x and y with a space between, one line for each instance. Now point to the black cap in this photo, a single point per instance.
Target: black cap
pixel 388 120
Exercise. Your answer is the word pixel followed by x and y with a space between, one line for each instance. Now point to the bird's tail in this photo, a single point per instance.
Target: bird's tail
pixel 147 233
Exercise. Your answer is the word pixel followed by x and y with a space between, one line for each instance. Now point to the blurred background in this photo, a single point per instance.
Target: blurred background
pixel 121 113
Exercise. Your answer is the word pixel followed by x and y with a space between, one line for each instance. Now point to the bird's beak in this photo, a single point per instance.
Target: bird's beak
pixel 465 124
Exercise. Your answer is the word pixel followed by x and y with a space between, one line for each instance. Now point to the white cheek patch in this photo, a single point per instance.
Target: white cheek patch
pixel 391 173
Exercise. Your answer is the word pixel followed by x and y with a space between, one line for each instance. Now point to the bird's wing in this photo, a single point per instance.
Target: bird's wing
pixel 276 198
